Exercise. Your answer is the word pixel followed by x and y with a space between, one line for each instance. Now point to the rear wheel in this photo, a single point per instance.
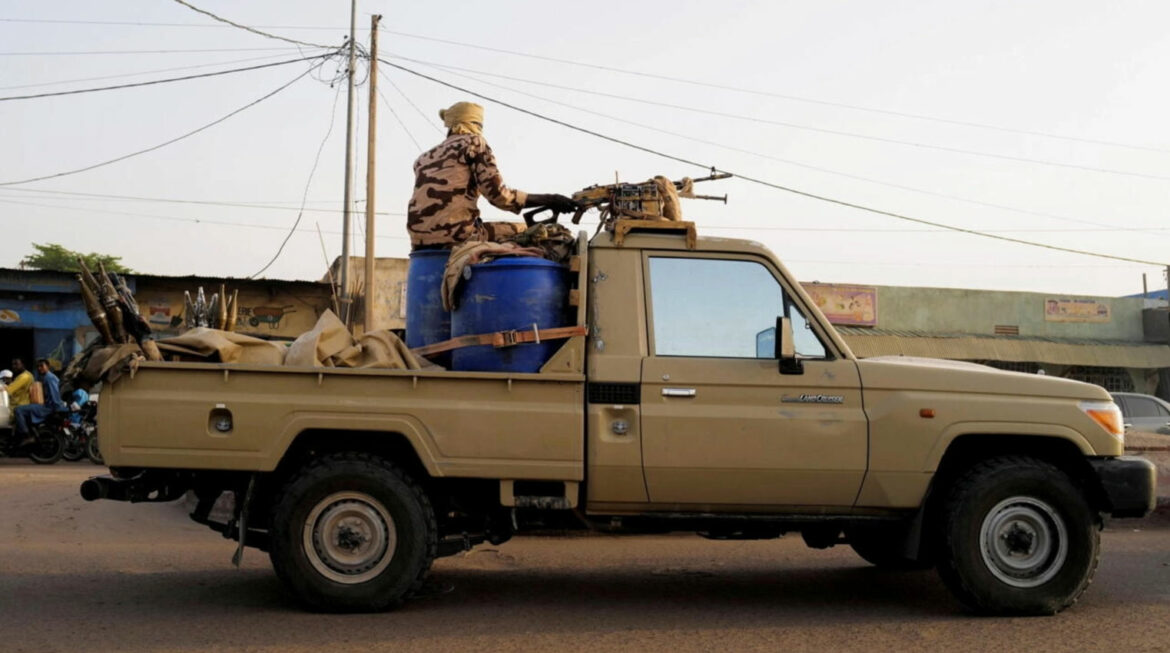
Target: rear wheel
pixel 352 533
pixel 48 447
pixel 1018 538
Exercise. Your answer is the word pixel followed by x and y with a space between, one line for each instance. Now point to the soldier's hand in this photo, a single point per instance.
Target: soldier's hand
pixel 558 203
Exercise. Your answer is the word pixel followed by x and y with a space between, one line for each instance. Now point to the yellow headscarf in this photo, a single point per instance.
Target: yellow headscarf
pixel 463 118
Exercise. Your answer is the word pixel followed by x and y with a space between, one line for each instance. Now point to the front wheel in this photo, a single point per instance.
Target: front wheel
pixel 352 533
pixel 1018 538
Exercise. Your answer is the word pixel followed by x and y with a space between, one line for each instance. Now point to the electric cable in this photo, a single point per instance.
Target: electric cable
pixel 806 166
pixel 820 130
pixel 765 183
pixel 246 28
pixel 142 72
pixel 308 183
pixel 180 51
pixel 172 218
pixel 423 115
pixel 165 143
pixel 54 21
pixel 399 119
pixel 164 81
pixel 781 96
pixel 70 195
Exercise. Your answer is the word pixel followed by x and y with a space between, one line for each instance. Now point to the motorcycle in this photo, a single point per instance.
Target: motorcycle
pixel 48 444
pixel 81 439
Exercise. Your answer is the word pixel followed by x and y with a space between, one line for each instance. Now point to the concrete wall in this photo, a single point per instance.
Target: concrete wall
pixel 268 309
pixel 946 310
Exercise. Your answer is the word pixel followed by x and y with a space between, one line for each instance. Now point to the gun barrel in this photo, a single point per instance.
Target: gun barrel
pixel 717 198
pixel 713 177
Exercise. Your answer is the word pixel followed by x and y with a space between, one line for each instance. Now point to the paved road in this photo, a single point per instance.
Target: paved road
pixel 117 577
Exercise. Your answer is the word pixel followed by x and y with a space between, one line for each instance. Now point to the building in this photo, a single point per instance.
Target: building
pixel 42 314
pixel 1119 343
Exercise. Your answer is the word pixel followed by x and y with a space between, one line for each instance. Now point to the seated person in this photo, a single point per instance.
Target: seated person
pixel 29 415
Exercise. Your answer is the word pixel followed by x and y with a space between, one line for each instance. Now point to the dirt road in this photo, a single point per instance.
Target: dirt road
pixel 116 577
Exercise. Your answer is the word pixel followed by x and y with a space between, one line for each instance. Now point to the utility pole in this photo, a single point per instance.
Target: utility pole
pixel 372 137
pixel 346 300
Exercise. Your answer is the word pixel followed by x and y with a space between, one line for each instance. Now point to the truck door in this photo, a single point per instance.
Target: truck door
pixel 721 425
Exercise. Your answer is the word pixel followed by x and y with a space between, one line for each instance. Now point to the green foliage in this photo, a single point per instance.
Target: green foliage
pixel 55 257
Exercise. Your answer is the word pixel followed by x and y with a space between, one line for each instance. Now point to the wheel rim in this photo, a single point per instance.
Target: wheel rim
pixel 1024 541
pixel 349 537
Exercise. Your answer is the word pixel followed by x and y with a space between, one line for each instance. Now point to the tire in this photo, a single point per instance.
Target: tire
pixel 92 451
pixel 881 546
pixel 74 449
pixel 352 533
pixel 1018 538
pixel 48 448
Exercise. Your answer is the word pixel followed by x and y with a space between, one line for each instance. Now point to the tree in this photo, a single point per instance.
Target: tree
pixel 55 257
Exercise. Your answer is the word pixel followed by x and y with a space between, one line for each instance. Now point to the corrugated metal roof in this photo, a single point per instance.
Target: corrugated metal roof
pixel 1099 353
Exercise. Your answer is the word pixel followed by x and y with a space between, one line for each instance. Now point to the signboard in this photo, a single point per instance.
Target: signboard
pixel 845 305
pixel 1061 309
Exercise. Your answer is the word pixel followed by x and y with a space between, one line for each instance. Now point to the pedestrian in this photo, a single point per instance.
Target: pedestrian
pixel 450 177
pixel 20 384
pixel 30 415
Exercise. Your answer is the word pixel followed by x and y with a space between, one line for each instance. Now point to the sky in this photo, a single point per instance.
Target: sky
pixel 1042 121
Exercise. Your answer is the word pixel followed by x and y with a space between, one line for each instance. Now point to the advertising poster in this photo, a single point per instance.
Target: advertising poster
pixel 844 304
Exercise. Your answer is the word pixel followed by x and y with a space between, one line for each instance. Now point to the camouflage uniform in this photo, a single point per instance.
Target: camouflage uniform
pixel 449 179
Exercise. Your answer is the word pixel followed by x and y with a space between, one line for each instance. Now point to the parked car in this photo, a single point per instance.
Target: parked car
pixel 1144 412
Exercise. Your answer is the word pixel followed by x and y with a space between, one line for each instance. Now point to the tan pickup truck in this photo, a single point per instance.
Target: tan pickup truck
pixel 710 395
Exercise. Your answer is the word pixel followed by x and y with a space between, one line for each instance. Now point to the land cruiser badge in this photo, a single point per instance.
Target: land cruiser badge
pixel 813 399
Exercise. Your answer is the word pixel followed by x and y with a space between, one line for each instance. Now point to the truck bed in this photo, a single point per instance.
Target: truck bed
pixel 462 424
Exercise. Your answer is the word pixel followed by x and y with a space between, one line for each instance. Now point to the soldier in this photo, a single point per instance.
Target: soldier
pixel 449 179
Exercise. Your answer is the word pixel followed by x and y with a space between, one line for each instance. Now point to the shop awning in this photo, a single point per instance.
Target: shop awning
pixel 1098 353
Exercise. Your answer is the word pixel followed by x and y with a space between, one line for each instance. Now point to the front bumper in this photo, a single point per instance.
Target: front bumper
pixel 1129 484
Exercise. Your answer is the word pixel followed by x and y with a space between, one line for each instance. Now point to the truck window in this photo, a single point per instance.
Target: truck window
pixel 718 308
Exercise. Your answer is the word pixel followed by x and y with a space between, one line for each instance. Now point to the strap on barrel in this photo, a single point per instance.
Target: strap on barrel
pixel 501 339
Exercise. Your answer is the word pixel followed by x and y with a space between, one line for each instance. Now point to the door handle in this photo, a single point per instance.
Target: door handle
pixel 678 392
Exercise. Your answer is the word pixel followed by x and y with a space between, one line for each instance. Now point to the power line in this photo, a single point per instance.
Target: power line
pixel 183 51
pixel 143 72
pixel 853 262
pixel 797 126
pixel 156 24
pixel 171 218
pixel 245 27
pixel 399 119
pixel 163 81
pixel 781 96
pixel 165 143
pixel 799 164
pixel 429 121
pixel 246 205
pixel 765 183
pixel 308 183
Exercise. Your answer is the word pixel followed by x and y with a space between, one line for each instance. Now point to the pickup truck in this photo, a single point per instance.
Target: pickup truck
pixel 709 395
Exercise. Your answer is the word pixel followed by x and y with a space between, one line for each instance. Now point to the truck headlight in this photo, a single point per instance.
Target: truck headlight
pixel 1107 414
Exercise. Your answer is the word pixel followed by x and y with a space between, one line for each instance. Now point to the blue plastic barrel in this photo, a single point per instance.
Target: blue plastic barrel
pixel 510 294
pixel 426 321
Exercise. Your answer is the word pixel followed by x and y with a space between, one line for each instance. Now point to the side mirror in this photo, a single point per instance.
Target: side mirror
pixel 786 348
